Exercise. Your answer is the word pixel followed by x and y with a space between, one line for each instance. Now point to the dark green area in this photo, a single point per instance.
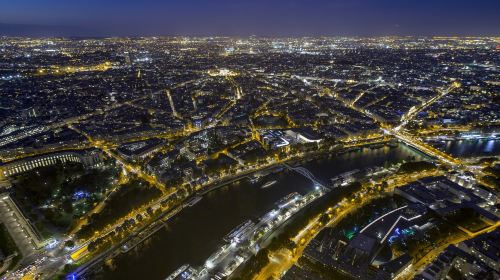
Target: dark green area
pixel 467 218
pixel 422 243
pixel 270 121
pixel 492 181
pixel 214 167
pixel 416 166
pixel 63 274
pixel 8 246
pixel 493 171
pixel 254 265
pixel 493 177
pixel 487 160
pixel 48 195
pixel 321 271
pixel 130 196
pixel 350 225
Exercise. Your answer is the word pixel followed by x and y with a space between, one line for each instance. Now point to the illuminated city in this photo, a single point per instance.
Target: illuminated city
pixel 250 157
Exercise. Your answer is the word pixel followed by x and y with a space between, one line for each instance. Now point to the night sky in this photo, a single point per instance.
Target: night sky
pixel 251 17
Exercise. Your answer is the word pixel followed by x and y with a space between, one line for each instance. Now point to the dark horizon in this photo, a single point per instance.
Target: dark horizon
pixel 47 31
pixel 239 18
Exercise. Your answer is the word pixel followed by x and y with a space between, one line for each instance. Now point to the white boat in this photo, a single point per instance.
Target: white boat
pixel 268 184
pixel 288 199
pixel 193 201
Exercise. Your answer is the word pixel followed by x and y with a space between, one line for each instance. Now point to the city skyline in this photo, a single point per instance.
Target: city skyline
pixel 249 140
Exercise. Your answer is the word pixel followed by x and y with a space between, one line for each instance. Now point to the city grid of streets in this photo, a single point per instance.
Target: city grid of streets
pixel 187 114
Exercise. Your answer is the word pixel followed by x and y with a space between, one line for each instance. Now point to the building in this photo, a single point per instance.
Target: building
pixel 485 247
pixel 303 135
pixel 447 198
pixel 87 158
pixel 140 149
pixel 185 272
pixel 475 259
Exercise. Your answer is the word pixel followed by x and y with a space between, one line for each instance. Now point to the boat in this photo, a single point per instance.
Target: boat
pixel 241 232
pixel 288 199
pixel 193 201
pixel 268 184
pixel 344 178
pixel 255 178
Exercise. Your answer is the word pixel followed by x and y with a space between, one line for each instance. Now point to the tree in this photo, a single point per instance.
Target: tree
pixel 69 244
pixel 67 206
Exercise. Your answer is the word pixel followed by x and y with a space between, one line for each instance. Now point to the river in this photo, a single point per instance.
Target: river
pixel 469 147
pixel 195 233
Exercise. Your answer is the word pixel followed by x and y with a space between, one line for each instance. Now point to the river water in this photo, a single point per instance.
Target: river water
pixel 196 232
pixel 469 147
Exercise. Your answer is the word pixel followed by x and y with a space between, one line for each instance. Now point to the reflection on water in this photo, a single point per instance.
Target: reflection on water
pixel 469 147
pixel 490 146
pixel 195 233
